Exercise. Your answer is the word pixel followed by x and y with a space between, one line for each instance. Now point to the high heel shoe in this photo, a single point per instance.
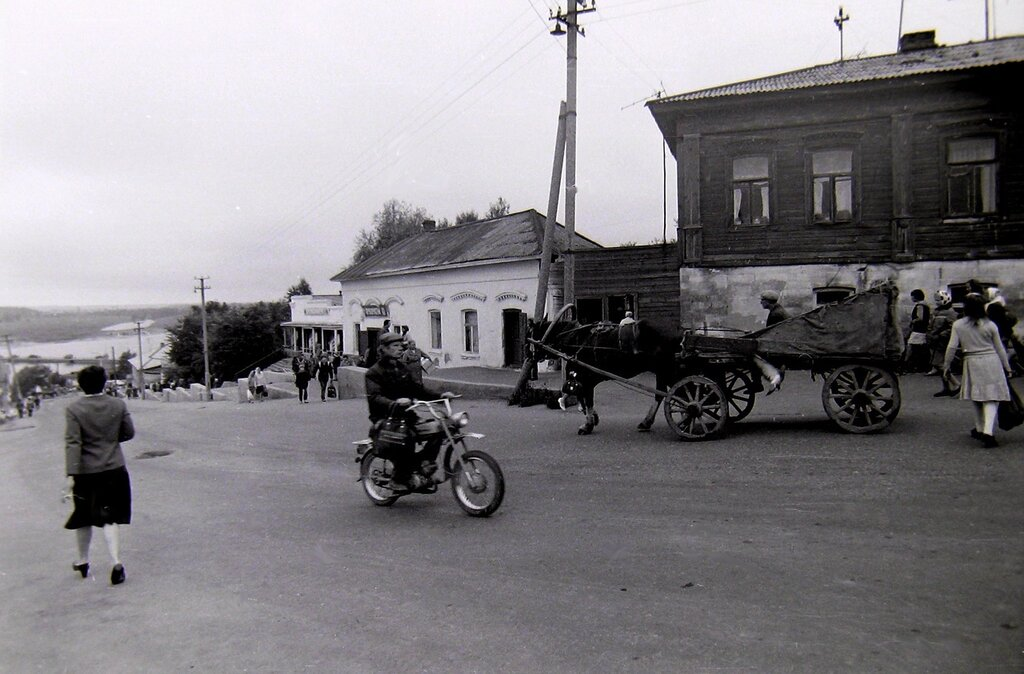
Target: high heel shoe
pixel 82 569
pixel 117 575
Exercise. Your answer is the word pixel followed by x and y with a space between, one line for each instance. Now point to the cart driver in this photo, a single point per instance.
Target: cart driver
pixel 389 382
pixel 776 312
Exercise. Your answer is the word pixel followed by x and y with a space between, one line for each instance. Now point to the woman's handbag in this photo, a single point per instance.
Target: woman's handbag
pixel 1011 412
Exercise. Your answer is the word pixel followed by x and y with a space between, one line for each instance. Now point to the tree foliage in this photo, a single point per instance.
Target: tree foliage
pixel 300 288
pixel 240 337
pixel 466 216
pixel 395 221
pixel 27 378
pixel 497 209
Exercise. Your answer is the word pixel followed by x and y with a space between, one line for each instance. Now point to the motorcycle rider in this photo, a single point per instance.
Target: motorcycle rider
pixel 389 382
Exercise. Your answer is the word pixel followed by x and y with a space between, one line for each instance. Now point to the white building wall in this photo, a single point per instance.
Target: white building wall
pixel 487 288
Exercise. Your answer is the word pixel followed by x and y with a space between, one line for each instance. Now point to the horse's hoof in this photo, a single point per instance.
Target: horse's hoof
pixel 597 419
pixel 643 428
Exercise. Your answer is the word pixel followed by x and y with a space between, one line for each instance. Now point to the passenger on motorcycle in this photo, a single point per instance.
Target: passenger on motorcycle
pixel 388 384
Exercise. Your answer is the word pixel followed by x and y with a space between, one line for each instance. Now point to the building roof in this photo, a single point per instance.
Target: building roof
pixel 938 59
pixel 511 237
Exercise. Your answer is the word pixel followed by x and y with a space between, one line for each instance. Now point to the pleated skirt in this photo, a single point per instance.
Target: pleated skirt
pixel 984 379
pixel 101 499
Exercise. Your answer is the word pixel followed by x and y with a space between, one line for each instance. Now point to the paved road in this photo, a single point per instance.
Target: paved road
pixel 786 547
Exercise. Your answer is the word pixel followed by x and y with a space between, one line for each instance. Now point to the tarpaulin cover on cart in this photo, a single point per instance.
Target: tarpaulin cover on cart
pixel 861 326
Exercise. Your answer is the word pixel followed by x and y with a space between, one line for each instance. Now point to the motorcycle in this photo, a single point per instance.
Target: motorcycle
pixel 476 479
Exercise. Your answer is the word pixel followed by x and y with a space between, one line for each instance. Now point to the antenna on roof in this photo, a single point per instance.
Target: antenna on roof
pixel 840 19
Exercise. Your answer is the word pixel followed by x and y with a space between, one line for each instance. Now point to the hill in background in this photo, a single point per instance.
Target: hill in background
pixel 59 324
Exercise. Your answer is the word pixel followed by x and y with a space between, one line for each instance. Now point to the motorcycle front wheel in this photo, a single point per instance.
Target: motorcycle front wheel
pixel 375 474
pixel 477 483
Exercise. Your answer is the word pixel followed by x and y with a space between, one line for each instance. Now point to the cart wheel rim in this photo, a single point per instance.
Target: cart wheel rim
pixel 861 398
pixel 697 408
pixel 739 389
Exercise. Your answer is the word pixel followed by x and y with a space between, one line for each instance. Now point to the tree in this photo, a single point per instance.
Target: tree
pixel 123 365
pixel 240 337
pixel 466 216
pixel 497 209
pixel 27 378
pixel 395 221
pixel 300 288
pixel 185 340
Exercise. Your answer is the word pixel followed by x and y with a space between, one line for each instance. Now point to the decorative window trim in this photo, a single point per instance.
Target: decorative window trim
pixel 394 300
pixel 433 297
pixel 469 294
pixel 511 295
pixel 854 179
pixel 979 214
pixel 751 184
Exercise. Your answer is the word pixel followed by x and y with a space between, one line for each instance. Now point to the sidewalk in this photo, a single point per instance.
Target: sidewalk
pixel 501 380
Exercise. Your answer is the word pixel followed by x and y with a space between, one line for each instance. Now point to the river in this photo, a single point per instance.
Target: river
pixel 92 347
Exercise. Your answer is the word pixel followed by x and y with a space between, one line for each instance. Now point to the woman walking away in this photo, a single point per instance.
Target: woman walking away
pixel 986 366
pixel 323 375
pixel 302 381
pixel 98 480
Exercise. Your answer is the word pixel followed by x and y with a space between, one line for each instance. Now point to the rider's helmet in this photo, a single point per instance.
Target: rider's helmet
pixel 942 298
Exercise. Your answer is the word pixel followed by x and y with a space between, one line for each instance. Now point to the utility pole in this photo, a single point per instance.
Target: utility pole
pixel 201 289
pixel 572 28
pixel 840 19
pixel 140 379
pixel 13 394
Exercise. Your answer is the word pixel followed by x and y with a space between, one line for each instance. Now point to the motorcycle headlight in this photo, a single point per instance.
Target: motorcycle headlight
pixel 461 419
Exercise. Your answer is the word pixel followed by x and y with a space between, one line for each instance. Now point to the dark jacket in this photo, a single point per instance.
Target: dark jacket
pixel 776 314
pixel 389 380
pixel 96 427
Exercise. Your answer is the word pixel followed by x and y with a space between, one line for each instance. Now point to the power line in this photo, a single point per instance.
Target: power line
pixel 356 169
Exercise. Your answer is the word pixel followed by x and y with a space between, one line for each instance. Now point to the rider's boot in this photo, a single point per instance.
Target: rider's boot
pixel 428 468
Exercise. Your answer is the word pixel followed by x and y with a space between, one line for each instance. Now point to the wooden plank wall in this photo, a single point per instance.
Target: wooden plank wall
pixel 652 272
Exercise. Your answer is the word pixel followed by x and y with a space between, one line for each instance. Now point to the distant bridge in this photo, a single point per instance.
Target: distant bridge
pixel 40 360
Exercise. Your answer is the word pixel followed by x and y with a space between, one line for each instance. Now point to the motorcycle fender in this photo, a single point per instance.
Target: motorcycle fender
pixel 362 446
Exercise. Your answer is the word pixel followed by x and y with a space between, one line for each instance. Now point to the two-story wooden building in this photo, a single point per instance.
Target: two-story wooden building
pixel 823 181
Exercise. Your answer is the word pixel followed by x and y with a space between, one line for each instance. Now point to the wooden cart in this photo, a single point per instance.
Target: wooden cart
pixel 853 344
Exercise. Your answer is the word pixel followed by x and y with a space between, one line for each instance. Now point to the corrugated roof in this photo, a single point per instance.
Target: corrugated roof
pixel 891 66
pixel 515 236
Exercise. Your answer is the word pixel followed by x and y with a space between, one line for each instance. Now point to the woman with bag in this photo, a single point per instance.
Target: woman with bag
pixel 986 366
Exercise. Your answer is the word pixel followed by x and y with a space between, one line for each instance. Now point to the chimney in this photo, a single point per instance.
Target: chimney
pixel 917 41
pixel 429 225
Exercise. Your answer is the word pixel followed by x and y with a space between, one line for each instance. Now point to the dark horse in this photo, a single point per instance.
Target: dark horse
pixel 609 348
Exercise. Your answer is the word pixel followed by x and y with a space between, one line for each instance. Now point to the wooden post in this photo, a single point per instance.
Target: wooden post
pixel 544 273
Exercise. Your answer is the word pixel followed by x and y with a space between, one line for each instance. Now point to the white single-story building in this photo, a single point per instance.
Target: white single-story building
pixel 463 293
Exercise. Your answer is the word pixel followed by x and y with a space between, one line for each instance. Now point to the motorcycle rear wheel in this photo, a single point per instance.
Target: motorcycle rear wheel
pixel 375 474
pixel 478 484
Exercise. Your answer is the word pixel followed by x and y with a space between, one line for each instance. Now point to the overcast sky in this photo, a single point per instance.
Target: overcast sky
pixel 145 143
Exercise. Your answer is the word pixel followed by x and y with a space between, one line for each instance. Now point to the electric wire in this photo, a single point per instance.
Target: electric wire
pixel 356 167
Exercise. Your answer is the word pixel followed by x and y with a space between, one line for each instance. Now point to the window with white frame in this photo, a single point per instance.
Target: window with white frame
pixel 971 176
pixel 832 185
pixel 471 331
pixel 435 329
pixel 750 191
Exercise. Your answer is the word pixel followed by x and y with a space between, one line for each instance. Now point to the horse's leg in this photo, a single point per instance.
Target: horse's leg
pixel 648 420
pixel 586 397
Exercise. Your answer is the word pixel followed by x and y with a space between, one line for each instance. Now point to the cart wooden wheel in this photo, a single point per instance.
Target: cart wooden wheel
pixel 861 398
pixel 739 388
pixel 697 408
